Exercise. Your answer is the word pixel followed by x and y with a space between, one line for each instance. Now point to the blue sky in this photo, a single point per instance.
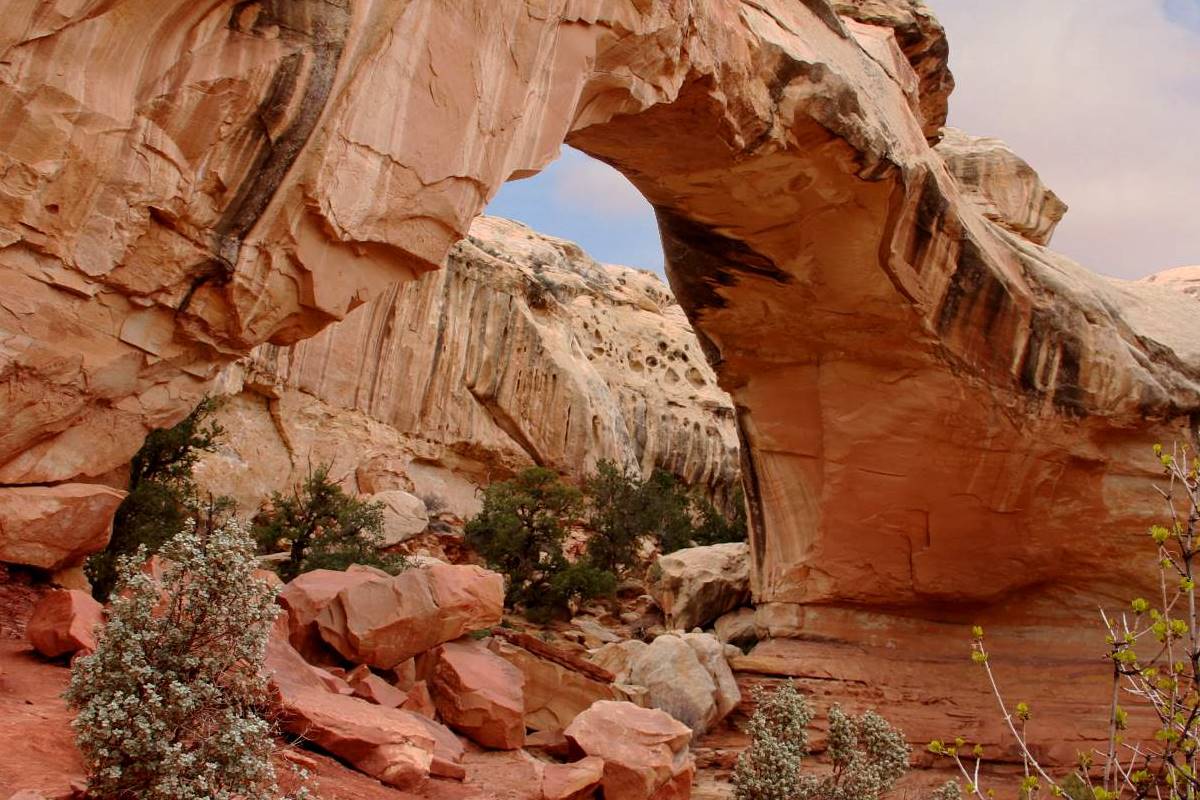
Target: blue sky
pixel 1102 97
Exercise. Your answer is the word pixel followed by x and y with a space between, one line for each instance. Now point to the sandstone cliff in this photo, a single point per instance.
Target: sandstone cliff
pixel 522 350
pixel 932 406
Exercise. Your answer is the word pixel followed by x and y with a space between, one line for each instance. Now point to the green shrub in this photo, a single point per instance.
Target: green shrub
pixel 520 532
pixel 161 493
pixel 170 706
pixel 713 527
pixel 616 517
pixel 323 527
pixel 868 756
pixel 624 510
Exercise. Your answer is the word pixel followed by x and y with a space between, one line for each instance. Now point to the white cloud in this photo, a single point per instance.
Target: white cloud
pixel 1102 97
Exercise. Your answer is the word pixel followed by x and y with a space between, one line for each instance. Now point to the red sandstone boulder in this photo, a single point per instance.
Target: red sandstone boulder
pixel 375 689
pixel 385 622
pixel 64 623
pixel 479 694
pixel 395 746
pixel 306 596
pixel 420 701
pixel 645 751
pixel 574 781
pixel 55 526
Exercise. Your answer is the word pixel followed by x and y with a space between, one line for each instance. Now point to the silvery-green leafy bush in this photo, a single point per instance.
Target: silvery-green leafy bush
pixel 171 706
pixel 868 755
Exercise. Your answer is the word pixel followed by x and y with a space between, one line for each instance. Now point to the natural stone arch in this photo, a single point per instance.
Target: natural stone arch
pixel 918 385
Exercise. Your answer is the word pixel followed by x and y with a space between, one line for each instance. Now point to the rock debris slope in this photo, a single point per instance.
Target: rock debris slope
pixel 522 350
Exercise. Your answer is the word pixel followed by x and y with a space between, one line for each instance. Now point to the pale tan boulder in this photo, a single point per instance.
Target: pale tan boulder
pixel 52 527
pixel 381 473
pixel 618 657
pixel 479 694
pixel 677 682
pixel 645 751
pixel 385 622
pixel 65 622
pixel 696 585
pixel 737 627
pixel 711 654
pixel 686 675
pixel 404 515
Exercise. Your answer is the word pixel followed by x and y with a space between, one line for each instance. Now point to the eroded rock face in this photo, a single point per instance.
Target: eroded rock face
pixel 522 350
pixel 999 181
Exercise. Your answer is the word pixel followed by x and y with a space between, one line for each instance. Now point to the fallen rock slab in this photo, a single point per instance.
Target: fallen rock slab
pixel 479 694
pixel 64 622
pixel 645 751
pixel 554 692
pixel 52 527
pixel 387 621
pixel 395 746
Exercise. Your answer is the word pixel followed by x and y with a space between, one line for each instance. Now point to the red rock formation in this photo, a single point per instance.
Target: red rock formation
pixel 64 623
pixel 479 694
pixel 645 751
pixel 933 407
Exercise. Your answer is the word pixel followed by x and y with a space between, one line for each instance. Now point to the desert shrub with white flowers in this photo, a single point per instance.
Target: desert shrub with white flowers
pixel 172 705
pixel 868 756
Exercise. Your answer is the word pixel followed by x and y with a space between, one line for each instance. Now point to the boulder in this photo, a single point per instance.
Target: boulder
pixel 737 627
pixel 419 701
pixel 618 657
pixel 305 597
pixel 64 622
pixel 382 473
pixel 404 515
pixel 695 586
pixel 395 746
pixel 52 527
pixel 686 675
pixel 677 682
pixel 479 694
pixel 575 781
pixel 712 656
pixel 645 751
pixel 555 693
pixel 375 689
pixel 384 622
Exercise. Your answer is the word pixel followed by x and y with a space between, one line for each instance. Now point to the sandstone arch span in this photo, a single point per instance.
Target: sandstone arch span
pixel 932 401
